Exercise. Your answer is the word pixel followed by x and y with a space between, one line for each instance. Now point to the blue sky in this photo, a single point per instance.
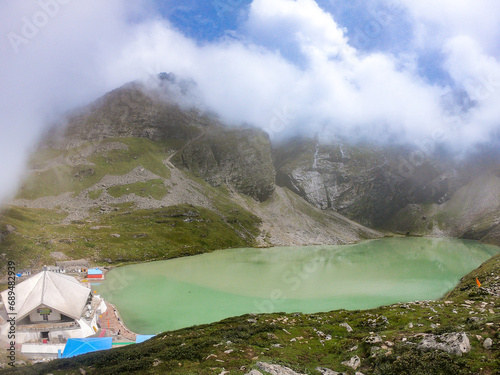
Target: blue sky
pixel 205 20
pixel 404 71
pixel 371 26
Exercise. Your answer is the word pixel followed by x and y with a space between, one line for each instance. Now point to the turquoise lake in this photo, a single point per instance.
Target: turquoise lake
pixel 167 295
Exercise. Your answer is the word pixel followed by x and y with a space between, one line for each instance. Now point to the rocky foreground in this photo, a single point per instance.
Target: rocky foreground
pixel 456 335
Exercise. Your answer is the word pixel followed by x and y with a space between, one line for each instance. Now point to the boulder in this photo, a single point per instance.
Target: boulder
pixel 276 369
pixel 456 343
pixel 374 339
pixel 346 326
pixel 326 371
pixel 488 343
pixel 379 321
pixel 10 228
pixel 353 363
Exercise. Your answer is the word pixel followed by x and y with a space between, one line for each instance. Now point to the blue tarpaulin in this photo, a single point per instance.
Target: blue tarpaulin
pixel 142 338
pixel 82 346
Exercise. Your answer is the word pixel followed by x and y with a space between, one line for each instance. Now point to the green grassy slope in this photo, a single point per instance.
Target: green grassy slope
pixel 56 179
pixel 113 228
pixel 118 193
pixel 125 235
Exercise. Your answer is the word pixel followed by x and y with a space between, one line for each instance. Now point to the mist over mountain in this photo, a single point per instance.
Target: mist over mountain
pixel 388 72
pixel 141 173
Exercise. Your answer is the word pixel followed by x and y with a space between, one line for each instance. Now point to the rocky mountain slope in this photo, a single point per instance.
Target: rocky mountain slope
pixel 473 212
pixel 138 176
pixel 364 182
pixel 397 189
pixel 143 173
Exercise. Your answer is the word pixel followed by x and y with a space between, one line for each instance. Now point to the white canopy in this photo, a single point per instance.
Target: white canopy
pixel 59 292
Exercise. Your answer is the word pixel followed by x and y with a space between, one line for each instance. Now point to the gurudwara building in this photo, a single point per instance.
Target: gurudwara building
pixel 51 308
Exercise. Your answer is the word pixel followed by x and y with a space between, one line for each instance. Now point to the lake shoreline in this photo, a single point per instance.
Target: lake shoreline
pixel 270 302
pixel 111 320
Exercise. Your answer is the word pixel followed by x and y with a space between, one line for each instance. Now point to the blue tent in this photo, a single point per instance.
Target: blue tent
pixel 82 346
pixel 142 338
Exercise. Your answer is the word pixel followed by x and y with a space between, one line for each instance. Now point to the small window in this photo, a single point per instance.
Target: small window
pixel 45 335
pixel 45 318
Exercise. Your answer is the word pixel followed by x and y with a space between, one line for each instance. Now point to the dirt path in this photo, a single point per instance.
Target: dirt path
pixel 113 324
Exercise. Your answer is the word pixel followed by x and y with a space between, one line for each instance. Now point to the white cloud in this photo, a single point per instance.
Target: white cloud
pixel 302 22
pixel 53 54
pixel 443 19
pixel 87 48
pixel 337 92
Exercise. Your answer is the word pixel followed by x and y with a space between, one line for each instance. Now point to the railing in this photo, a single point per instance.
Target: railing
pixel 48 327
pixel 95 304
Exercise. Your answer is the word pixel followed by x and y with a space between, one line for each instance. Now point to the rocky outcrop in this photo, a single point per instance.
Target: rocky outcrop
pixel 276 369
pixel 456 343
pixel 326 371
pixel 472 212
pixel 353 363
pixel 402 190
pixel 368 184
pixel 133 110
pixel 239 158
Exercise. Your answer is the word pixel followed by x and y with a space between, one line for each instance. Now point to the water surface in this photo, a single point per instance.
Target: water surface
pixel 167 295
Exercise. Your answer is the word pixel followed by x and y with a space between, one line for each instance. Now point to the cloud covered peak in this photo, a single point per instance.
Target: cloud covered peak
pixel 290 67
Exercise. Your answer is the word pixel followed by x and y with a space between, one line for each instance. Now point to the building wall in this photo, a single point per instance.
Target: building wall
pixel 37 317
pixel 22 337
pixel 86 329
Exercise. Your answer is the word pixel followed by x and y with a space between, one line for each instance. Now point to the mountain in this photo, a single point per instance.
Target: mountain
pixel 473 212
pixel 144 173
pixel 397 189
pixel 141 174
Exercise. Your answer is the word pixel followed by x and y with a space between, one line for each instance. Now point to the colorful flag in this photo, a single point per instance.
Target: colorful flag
pixel 478 283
